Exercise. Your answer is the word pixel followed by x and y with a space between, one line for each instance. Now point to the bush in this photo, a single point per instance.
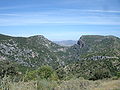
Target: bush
pixel 32 75
pixel 100 74
pixel 115 78
pixel 118 75
pixel 62 74
pixel 44 72
pixel 7 68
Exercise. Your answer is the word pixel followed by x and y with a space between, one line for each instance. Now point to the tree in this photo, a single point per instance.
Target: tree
pixel 44 72
pixel 100 74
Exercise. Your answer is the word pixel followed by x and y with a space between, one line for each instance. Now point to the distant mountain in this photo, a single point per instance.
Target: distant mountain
pixel 66 42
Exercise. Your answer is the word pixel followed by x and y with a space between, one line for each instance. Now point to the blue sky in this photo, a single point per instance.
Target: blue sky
pixel 60 19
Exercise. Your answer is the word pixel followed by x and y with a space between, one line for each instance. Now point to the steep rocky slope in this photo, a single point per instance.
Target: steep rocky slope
pixel 31 52
pixel 91 53
pixel 91 46
pixel 93 56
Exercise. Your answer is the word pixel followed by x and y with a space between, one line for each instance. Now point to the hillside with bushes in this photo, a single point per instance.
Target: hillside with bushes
pixel 45 65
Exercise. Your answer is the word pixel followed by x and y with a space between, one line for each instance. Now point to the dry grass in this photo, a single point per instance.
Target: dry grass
pixel 74 84
pixel 7 84
pixel 109 85
pixel 89 85
pixel 77 85
pixel 23 86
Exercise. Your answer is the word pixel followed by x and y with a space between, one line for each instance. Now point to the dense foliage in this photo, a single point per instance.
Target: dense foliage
pixel 44 72
pixel 7 69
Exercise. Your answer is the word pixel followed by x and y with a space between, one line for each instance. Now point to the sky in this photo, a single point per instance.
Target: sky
pixel 60 19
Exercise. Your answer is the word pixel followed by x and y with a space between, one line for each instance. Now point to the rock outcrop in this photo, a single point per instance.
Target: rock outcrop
pixel 81 43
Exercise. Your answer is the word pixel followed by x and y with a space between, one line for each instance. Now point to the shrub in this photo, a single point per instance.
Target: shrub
pixel 31 75
pixel 44 72
pixel 61 74
pixel 7 68
pixel 118 75
pixel 115 78
pixel 100 74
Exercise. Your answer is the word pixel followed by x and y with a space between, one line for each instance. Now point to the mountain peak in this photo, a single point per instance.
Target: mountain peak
pixel 97 36
pixel 37 36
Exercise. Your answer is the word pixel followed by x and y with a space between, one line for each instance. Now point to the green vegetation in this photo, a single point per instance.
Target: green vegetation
pixel 35 63
pixel 90 69
pixel 118 75
pixel 44 72
pixel 7 69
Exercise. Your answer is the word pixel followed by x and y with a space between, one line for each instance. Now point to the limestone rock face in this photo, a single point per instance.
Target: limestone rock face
pixel 31 51
pixel 81 43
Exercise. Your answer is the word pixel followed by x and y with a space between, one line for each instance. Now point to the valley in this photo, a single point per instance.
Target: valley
pixel 92 57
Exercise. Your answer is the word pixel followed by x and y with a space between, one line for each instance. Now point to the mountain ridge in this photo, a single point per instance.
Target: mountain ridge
pixel 29 48
pixel 35 51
